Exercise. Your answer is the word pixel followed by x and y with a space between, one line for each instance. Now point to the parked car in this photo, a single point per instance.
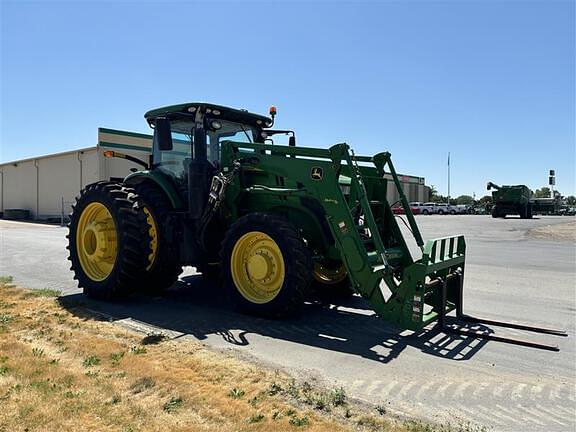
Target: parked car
pixel 443 208
pixel 423 208
pixel 464 209
pixel 431 207
pixel 414 206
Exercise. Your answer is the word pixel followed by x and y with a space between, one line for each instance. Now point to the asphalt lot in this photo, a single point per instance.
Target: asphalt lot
pixel 509 276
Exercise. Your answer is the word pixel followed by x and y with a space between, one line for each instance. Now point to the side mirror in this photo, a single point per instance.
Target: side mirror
pixel 292 141
pixel 163 134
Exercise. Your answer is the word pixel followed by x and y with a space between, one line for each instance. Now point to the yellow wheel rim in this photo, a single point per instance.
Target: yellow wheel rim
pixel 257 267
pixel 329 274
pixel 96 241
pixel 153 232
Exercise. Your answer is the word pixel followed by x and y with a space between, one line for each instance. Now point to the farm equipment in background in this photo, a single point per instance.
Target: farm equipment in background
pixel 275 221
pixel 511 200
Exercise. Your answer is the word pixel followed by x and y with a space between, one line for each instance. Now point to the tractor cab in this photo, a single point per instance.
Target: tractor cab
pixel 196 131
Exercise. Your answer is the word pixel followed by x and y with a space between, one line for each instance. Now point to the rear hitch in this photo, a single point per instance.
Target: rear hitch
pixel 455 327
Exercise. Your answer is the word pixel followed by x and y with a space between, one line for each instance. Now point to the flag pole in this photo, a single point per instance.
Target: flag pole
pixel 448 177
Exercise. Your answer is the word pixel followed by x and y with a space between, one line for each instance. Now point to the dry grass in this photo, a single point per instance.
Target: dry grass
pixel 61 372
pixel 560 232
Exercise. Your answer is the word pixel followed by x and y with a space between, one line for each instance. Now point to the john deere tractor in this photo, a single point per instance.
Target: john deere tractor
pixel 276 222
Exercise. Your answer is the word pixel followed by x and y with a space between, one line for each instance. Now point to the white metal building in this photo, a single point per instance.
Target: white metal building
pixel 47 185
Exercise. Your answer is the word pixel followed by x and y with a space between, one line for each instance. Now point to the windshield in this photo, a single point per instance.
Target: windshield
pixel 174 161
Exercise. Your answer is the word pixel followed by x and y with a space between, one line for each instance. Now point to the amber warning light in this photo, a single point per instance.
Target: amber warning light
pixel 272 110
pixel 108 153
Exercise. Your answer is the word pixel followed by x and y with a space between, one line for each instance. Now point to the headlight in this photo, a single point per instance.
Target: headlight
pixel 215 124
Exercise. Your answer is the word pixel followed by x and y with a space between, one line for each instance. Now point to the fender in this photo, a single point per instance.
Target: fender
pixel 161 181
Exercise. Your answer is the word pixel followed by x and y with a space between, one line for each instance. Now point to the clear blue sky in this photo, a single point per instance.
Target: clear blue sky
pixel 492 82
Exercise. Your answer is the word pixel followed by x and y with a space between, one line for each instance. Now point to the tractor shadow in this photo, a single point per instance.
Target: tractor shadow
pixel 194 307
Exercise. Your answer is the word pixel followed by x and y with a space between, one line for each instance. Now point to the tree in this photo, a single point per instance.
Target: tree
pixel 486 199
pixel 571 200
pixel 465 199
pixel 542 192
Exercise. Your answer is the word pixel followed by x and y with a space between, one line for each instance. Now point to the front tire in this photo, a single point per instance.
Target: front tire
pixel 108 241
pixel 266 266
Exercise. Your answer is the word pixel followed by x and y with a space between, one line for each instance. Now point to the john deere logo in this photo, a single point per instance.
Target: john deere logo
pixel 317 173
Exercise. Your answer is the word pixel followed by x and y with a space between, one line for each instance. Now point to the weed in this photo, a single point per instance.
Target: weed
pixel 236 393
pixel 253 401
pixel 274 389
pixel 137 350
pixel 5 318
pixel 3 359
pixel 338 397
pixel 318 401
pixel 255 418
pixel 37 352
pixel 381 409
pixel 276 415
pixel 91 361
pixel 290 412
pixel 92 374
pixel 44 292
pixel 116 399
pixel 5 280
pixel 142 384
pixel 173 404
pixel 4 370
pixel 54 361
pixel 116 357
pixel 293 389
pixel 70 394
pixel 299 421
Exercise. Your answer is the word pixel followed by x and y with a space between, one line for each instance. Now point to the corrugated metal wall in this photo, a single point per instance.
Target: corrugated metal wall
pixel 47 186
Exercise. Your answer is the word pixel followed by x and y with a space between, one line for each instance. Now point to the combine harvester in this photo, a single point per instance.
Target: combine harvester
pixel 518 199
pixel 275 221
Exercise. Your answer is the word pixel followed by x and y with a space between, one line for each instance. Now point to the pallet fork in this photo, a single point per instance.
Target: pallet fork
pixel 455 327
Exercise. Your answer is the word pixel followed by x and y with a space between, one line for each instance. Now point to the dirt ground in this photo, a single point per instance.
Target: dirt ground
pixel 560 232
pixel 63 369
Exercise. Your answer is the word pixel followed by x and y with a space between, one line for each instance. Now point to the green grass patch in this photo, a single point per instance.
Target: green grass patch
pixel 299 421
pixel 257 418
pixel 91 361
pixel 236 393
pixel 137 350
pixel 6 318
pixel 5 280
pixel 44 292
pixel 173 404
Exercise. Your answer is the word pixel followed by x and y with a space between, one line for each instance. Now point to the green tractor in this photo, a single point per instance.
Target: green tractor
pixel 275 222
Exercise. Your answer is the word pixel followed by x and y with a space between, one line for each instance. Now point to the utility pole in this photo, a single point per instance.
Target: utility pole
pixel 448 177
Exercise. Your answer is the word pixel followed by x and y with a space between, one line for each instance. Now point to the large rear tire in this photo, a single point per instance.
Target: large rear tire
pixel 163 267
pixel 266 266
pixel 108 241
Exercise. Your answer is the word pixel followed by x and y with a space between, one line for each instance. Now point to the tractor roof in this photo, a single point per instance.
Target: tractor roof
pixel 227 113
